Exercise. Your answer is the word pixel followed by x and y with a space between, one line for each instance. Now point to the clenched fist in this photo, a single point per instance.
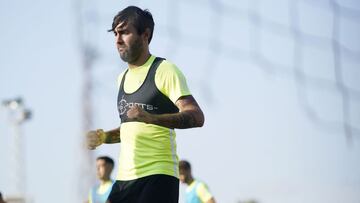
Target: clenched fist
pixel 138 114
pixel 95 138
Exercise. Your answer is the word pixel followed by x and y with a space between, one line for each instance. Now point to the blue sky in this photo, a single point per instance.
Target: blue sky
pixel 240 59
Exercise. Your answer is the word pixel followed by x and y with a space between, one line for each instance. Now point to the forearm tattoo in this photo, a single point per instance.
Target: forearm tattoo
pixel 113 136
pixel 184 120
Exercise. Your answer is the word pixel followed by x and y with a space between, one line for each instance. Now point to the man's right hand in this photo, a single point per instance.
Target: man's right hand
pixel 95 138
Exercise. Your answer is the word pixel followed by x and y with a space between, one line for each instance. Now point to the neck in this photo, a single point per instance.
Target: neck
pixel 189 180
pixel 141 60
pixel 103 181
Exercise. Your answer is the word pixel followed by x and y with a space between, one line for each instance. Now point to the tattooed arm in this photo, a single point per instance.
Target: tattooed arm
pixel 190 115
pixel 112 136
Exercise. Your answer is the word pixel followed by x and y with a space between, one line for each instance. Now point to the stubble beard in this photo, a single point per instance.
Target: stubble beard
pixel 133 52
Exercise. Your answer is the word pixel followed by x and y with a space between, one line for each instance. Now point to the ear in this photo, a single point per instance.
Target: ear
pixel 146 34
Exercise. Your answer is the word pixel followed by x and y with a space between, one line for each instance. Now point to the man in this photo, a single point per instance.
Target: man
pixel 153 100
pixel 197 191
pixel 99 193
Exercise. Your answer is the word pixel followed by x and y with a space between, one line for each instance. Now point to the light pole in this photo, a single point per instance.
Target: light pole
pixel 18 114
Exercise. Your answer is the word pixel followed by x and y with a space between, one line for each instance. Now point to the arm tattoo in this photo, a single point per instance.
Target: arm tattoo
pixel 190 115
pixel 181 120
pixel 184 120
pixel 113 136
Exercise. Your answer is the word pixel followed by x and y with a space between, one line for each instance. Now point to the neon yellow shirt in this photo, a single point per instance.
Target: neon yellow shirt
pixel 148 149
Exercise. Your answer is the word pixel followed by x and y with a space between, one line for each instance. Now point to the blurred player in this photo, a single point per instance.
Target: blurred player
pixel 99 193
pixel 153 100
pixel 196 191
pixel 1 199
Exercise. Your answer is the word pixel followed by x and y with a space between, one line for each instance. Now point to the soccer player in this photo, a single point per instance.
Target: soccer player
pixel 197 191
pixel 153 100
pixel 99 193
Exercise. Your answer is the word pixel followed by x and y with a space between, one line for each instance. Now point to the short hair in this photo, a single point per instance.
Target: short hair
pixel 107 160
pixel 184 165
pixel 140 19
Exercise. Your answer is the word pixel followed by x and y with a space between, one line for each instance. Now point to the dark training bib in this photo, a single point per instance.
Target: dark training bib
pixel 148 96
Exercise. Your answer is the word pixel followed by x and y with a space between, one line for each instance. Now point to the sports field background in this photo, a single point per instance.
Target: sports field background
pixel 278 82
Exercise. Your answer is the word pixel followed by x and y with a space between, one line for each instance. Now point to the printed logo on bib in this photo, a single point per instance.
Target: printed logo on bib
pixel 124 106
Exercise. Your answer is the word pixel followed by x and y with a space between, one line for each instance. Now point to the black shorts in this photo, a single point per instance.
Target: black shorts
pixel 149 189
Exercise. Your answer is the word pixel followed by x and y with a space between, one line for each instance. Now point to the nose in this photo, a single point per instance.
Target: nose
pixel 119 39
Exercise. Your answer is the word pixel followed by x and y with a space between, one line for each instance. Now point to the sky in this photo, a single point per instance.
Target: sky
pixel 276 80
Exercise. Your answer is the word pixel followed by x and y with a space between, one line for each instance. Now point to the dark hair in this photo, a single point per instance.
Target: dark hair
pixel 107 160
pixel 140 19
pixel 185 165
